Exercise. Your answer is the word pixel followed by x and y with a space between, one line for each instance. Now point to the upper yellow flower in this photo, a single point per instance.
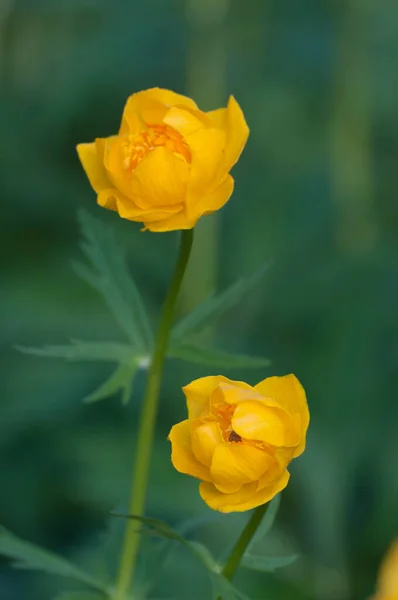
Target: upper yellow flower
pixel 169 164
pixel 238 439
pixel 387 586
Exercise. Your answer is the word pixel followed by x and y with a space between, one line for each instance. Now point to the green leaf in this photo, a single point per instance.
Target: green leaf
pixel 163 530
pixel 222 589
pixel 268 564
pixel 266 523
pixel 28 556
pixel 215 305
pixel 121 380
pixel 110 276
pixel 82 595
pixel 216 358
pixel 80 350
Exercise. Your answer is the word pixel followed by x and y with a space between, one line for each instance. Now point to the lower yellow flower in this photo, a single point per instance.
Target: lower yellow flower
pixel 387 585
pixel 238 439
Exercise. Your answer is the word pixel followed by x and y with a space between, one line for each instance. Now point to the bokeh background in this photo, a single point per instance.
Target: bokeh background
pixel 315 191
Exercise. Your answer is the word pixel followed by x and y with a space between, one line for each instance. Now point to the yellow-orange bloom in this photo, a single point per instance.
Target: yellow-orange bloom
pixel 239 439
pixel 387 584
pixel 169 164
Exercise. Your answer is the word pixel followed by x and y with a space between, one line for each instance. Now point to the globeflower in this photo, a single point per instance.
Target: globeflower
pixel 169 164
pixel 387 584
pixel 238 440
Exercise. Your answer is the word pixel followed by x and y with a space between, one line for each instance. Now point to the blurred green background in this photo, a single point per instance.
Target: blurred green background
pixel 315 191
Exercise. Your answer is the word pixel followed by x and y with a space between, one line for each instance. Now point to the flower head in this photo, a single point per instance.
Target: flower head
pixel 239 439
pixel 387 585
pixel 169 164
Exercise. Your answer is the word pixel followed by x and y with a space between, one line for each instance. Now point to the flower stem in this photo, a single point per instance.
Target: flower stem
pixel 147 424
pixel 237 552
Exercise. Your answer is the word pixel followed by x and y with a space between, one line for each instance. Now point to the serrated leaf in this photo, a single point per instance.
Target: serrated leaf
pixel 216 358
pixel 267 564
pixel 266 523
pixel 80 350
pixel 121 380
pixel 83 595
pixel 215 305
pixel 110 276
pixel 28 556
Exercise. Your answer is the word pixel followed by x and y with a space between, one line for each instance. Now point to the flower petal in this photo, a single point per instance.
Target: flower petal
pixel 91 156
pixel 197 394
pixel 237 133
pixel 205 438
pixel 235 464
pixel 172 223
pixel 182 456
pixel 161 178
pixel 290 394
pixel 184 121
pixel 213 200
pixel 255 421
pixel 207 148
pixel 246 498
pixel 388 575
pixel 150 106
pixel 234 392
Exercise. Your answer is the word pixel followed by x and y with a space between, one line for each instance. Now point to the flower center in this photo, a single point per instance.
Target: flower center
pixel 137 146
pixel 234 437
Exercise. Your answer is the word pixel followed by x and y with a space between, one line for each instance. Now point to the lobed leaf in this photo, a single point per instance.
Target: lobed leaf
pixel 121 380
pixel 28 556
pixel 216 358
pixel 163 530
pixel 110 276
pixel 215 305
pixel 80 350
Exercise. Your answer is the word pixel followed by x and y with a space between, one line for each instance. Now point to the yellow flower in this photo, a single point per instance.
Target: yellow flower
pixel 387 586
pixel 169 164
pixel 239 439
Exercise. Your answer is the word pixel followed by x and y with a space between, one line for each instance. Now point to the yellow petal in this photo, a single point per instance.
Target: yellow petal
pixel 281 459
pixel 182 457
pixel 205 438
pixel 161 178
pixel 246 498
pixel 234 465
pixel 290 394
pixel 114 158
pixel 108 198
pixel 234 392
pixel 237 133
pixel 207 148
pixel 212 201
pixel 92 160
pixel 218 117
pixel 197 394
pixel 185 121
pixel 179 220
pixel 149 107
pixel 388 576
pixel 129 208
pixel 255 421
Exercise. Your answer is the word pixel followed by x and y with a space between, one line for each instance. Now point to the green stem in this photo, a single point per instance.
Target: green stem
pixel 147 424
pixel 233 562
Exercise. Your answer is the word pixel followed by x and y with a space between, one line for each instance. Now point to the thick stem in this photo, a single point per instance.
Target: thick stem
pixel 147 424
pixel 244 540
